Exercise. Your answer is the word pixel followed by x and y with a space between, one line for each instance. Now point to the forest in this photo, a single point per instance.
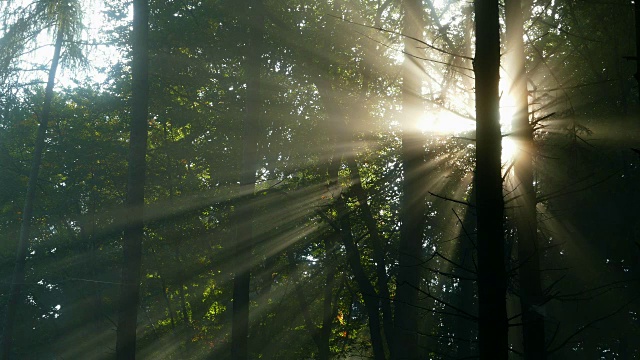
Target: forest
pixel 319 179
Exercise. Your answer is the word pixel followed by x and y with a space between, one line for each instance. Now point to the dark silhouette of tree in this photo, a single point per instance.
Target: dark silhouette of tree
pixel 134 211
pixel 65 17
pixel 636 11
pixel 27 214
pixel 492 277
pixel 244 233
pixel 530 288
pixel 413 194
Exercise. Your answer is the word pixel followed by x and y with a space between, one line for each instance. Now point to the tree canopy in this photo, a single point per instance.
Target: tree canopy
pixel 308 179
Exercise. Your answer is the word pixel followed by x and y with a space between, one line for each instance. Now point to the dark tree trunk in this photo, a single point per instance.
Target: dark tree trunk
pixel 134 229
pixel 636 9
pixel 413 195
pixel 378 253
pixel 183 305
pixel 344 141
pixel 492 277
pixel 531 296
pixel 369 295
pixel 368 292
pixel 19 270
pixel 167 301
pixel 244 232
pixel 377 243
pixel 464 329
pixel 327 303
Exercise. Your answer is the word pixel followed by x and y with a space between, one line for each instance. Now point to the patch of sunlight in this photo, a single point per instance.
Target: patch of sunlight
pixel 444 122
pixel 509 149
pixel 507 111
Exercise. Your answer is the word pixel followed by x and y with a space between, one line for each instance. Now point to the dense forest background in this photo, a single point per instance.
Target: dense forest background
pixel 301 179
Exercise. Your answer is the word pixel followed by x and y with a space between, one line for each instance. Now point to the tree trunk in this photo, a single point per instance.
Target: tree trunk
pixel 134 229
pixel 167 301
pixel 344 141
pixel 368 292
pixel 327 303
pixel 492 277
pixel 19 271
pixel 244 232
pixel 378 252
pixel 636 9
pixel 339 134
pixel 413 195
pixel 531 295
pixel 464 328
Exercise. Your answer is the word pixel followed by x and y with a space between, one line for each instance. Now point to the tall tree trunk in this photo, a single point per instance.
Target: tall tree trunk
pixel 368 292
pixel 167 301
pixel 19 270
pixel 327 302
pixel 344 141
pixel 531 296
pixel 244 232
pixel 378 252
pixel 134 229
pixel 413 195
pixel 636 9
pixel 464 328
pixel 492 277
pixel 320 336
pixel 369 295
pixel 377 243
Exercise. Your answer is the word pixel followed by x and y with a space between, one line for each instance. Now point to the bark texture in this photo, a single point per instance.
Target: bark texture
pixel 244 216
pixel 531 295
pixel 134 229
pixel 492 278
pixel 636 9
pixel 413 195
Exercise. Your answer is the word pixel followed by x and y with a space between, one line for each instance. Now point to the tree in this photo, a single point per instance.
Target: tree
pixel 134 210
pixel 66 19
pixel 244 233
pixel 492 277
pixel 636 11
pixel 413 195
pixel 330 189
pixel 531 294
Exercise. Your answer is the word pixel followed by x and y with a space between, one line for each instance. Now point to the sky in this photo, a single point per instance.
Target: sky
pixel 99 56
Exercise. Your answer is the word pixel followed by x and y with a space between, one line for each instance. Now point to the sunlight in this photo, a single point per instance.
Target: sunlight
pixel 99 56
pixel 444 122
pixel 507 110
pixel 509 149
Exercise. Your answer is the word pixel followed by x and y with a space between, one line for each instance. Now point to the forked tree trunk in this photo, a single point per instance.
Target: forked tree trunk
pixel 492 277
pixel 340 141
pixel 19 270
pixel 531 295
pixel 244 232
pixel 134 225
pixel 413 195
pixel 367 290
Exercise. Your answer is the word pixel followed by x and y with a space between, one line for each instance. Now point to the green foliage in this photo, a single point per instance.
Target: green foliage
pixel 198 86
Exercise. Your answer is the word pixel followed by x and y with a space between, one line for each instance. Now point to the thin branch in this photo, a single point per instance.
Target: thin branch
pixel 452 200
pixel 588 325
pixel 403 35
